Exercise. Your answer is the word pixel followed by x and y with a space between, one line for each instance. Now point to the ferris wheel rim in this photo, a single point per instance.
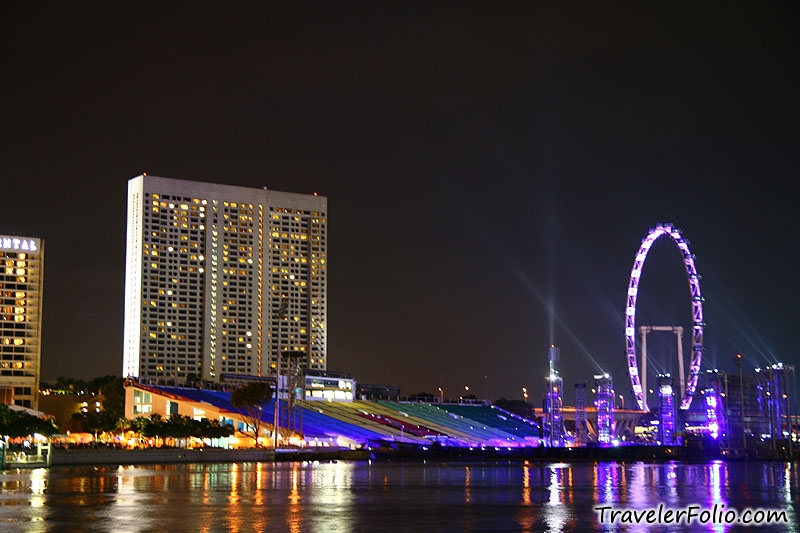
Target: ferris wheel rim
pixel 677 238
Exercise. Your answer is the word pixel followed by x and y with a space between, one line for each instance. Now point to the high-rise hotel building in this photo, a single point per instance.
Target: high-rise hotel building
pixel 21 283
pixel 217 276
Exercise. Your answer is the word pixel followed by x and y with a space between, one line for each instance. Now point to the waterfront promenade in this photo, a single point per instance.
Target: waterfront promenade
pixel 106 456
pixel 98 456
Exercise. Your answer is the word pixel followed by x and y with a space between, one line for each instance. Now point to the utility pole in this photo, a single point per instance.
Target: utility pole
pixel 277 421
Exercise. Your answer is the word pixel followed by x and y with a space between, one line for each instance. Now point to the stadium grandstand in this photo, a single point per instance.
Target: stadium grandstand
pixel 350 424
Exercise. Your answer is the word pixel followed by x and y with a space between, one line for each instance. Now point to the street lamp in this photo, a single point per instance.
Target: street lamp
pixel 441 395
pixel 622 399
pixel 525 393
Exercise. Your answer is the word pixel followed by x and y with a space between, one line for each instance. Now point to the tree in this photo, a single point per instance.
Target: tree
pixel 21 424
pixel 212 429
pixel 180 427
pixel 139 424
pixel 249 399
pixel 108 395
pixel 112 393
pixel 70 386
pixel 96 385
pixel 93 422
pixel 153 428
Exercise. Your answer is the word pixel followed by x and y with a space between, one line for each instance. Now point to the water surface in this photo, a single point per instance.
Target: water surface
pixel 386 496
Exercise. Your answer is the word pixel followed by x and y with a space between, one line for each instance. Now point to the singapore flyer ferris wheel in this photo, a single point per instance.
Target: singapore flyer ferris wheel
pixel 674 234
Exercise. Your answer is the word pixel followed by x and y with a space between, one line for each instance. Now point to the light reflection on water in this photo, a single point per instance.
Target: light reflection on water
pixel 386 496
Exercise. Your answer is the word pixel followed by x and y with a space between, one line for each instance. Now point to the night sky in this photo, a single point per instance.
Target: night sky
pixel 490 172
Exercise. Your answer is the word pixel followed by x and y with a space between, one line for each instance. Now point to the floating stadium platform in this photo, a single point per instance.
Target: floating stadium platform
pixel 367 424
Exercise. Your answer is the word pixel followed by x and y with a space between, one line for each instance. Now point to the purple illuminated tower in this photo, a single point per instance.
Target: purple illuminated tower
pixel 580 412
pixel 604 403
pixel 666 410
pixel 714 420
pixel 555 400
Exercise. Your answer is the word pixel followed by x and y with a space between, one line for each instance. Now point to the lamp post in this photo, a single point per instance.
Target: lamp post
pixel 277 408
pixel 441 395
pixel 622 400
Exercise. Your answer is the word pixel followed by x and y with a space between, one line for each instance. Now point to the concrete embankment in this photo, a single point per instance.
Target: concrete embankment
pixel 322 454
pixel 103 456
pixel 111 456
pixel 107 456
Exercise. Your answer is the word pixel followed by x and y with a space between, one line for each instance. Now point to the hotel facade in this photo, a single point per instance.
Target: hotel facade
pixel 21 284
pixel 219 278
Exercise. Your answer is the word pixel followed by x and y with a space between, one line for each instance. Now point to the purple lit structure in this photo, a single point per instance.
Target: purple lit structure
pixel 773 386
pixel 555 400
pixel 604 403
pixel 697 312
pixel 714 421
pixel 580 413
pixel 666 410
pixel 736 396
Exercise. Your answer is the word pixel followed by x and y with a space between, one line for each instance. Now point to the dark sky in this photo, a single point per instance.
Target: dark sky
pixel 490 171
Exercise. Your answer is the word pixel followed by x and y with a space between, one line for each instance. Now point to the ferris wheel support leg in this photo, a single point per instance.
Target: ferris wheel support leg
pixel 681 375
pixel 643 378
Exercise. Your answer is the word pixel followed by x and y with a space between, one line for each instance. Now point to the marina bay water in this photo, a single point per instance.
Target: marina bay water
pixel 392 496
